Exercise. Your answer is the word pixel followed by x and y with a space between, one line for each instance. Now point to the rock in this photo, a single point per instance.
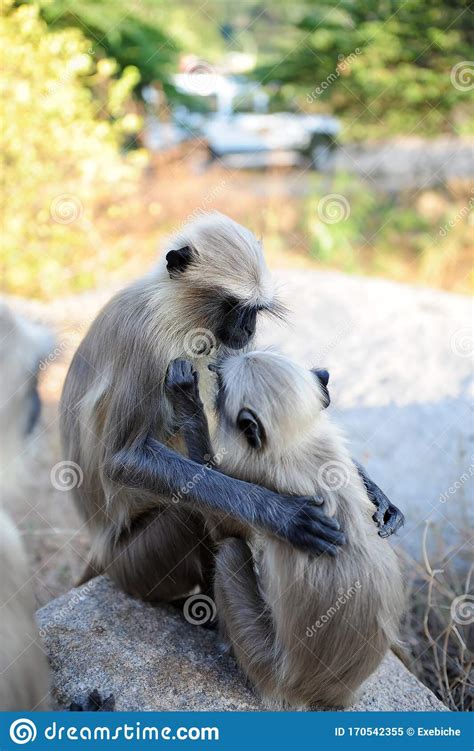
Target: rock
pixel 151 658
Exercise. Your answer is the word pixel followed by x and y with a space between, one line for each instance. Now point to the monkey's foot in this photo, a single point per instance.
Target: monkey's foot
pixel 94 703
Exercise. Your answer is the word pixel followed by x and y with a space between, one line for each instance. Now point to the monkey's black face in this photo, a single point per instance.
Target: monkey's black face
pixel 230 319
pixel 237 323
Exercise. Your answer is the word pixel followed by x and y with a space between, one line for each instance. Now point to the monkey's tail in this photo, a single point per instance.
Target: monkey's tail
pixel 90 572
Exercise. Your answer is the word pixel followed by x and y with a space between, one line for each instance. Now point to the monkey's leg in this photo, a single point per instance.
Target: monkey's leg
pixel 388 517
pixel 243 615
pixel 166 553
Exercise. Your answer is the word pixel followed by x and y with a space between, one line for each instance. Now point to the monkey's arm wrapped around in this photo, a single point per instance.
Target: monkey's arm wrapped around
pixel 388 517
pixel 297 520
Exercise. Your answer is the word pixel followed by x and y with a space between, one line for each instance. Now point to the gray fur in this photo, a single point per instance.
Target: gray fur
pixel 114 397
pixel 24 673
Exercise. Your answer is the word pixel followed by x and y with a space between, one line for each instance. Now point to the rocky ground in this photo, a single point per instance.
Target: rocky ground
pixel 151 659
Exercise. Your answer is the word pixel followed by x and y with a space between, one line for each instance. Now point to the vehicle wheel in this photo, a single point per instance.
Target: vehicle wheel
pixel 321 153
pixel 212 155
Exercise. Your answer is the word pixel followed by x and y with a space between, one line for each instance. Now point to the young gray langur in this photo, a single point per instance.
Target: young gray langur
pixel 202 300
pixel 306 630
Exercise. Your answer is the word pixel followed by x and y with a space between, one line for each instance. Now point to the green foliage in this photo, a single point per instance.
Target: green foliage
pixel 64 121
pixel 384 65
pixel 148 34
pixel 119 30
pixel 367 218
pixel 422 235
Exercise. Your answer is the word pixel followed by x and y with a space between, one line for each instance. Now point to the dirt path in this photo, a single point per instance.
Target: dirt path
pixel 408 162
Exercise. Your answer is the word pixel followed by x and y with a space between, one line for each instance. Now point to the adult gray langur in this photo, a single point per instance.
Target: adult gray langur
pixel 24 671
pixel 307 630
pixel 117 422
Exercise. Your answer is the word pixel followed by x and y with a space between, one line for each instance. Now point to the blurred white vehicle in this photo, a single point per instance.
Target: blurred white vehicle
pixel 256 136
pixel 282 134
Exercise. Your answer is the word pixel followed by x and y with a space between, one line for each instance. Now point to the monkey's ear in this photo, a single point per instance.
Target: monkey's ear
pixel 323 378
pixel 178 260
pixel 250 426
pixel 322 375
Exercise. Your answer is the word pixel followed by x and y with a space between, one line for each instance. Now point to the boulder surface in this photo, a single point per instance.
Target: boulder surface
pixel 151 658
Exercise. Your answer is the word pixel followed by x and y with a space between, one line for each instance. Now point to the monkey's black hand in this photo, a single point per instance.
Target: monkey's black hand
pixel 387 516
pixel 182 388
pixel 94 703
pixel 305 526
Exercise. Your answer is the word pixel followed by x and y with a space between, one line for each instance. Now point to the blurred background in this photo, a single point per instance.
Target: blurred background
pixel 122 116
pixel 339 132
